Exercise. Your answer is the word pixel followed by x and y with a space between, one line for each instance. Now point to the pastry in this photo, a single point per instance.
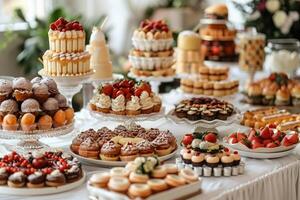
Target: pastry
pixel 99 179
pixel 3 176
pixel 69 113
pixel 174 180
pixel 30 106
pixel 217 11
pixel 22 89
pixel 282 97
pixel 139 190
pixel 45 122
pixel 110 151
pixel 236 158
pixel 138 178
pixel 73 174
pixel 227 160
pixel 189 175
pixel 5 90
pixel 62 101
pixel 59 118
pixel 89 148
pixel 52 86
pixel 295 92
pixel 133 106
pixel 198 160
pixel 212 161
pixel 17 180
pixel 157 185
pixel 159 172
pixel 119 172
pixel 36 180
pixel 55 178
pixel 118 184
pixel 50 106
pixel 170 168
pixel 10 122
pixel 40 92
pixel 28 122
pixel 162 146
pixel 129 152
pixel 145 148
pixel 9 106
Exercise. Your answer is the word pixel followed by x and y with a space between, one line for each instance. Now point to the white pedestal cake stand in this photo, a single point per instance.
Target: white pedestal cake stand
pixel 154 81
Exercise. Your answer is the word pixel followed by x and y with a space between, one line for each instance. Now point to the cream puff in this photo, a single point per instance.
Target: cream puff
pixel 129 152
pixel 89 148
pixel 110 151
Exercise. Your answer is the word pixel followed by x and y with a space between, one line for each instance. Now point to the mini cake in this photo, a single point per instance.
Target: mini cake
pixel 152 43
pixel 66 56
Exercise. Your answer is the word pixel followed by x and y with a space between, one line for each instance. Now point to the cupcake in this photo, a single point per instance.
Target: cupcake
pixel 69 112
pixel 55 179
pixel 227 160
pixel 89 148
pixel 36 180
pixel 212 161
pixel 156 102
pixel 103 103
pixel 198 160
pixel 110 151
pixel 145 148
pixel 187 157
pixel 30 106
pixel 118 105
pixel 45 122
pixel 50 106
pixel 52 87
pixel 133 106
pixel 146 103
pixel 28 122
pixel 9 106
pixel 59 118
pixel 236 158
pixel 162 146
pixel 255 93
pixel 40 92
pixel 10 122
pixel 282 97
pixel 128 152
pixel 22 89
pixel 296 95
pixel 5 89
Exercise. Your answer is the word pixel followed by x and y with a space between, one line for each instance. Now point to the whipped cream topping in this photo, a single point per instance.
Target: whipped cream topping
pixel 133 104
pixel 118 104
pixel 103 101
pixel 156 99
pixel 146 100
pixel 56 173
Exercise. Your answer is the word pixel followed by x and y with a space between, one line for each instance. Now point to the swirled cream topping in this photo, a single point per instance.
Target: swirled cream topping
pixel 118 104
pixel 104 101
pixel 145 100
pixel 133 104
pixel 156 99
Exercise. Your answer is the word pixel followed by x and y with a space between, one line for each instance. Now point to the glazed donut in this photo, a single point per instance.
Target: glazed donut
pixel 174 180
pixel 131 166
pixel 139 190
pixel 100 179
pixel 118 184
pixel 189 175
pixel 171 168
pixel 159 172
pixel 119 171
pixel 138 178
pixel 157 185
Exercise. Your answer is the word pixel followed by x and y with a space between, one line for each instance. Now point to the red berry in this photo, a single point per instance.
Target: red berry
pixel 138 92
pixel 210 137
pixel 120 92
pixel 107 89
pixel 187 139
pixel 53 27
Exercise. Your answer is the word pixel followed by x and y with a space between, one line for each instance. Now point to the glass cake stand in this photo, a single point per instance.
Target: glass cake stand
pixel 154 81
pixel 29 140
pixel 69 85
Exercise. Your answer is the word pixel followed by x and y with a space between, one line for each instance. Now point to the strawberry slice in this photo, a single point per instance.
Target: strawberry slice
pixel 293 138
pixel 107 89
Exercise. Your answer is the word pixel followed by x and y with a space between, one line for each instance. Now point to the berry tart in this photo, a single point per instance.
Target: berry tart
pixel 125 97
pixel 202 153
pixel 30 106
pixel 142 178
pixel 67 55
pixel 152 54
pixel 124 143
pixel 37 170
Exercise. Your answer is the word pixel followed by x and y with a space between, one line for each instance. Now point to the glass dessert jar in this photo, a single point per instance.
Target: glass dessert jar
pixel 283 55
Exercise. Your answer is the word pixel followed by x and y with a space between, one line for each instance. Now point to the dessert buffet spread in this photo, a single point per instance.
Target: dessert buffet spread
pixel 100 58
pixel 124 143
pixel 125 97
pixel 203 108
pixel 144 178
pixel 38 170
pixel 217 39
pixel 266 140
pixel 202 153
pixel 153 52
pixel 33 105
pixel 67 55
pixel 188 55
pixel 277 89
pixel 259 118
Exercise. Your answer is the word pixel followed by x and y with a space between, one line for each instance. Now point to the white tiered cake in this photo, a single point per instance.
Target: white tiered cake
pixel 100 58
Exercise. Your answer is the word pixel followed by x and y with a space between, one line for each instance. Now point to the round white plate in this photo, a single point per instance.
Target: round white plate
pixel 112 117
pixel 113 163
pixel 242 147
pixel 265 155
pixel 205 123
pixel 41 191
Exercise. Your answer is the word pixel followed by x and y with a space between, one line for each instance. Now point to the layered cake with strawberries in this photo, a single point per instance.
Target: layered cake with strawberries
pixel 125 97
pixel 66 55
pixel 152 54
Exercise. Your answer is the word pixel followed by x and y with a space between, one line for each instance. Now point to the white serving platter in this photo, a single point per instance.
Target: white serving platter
pixel 265 155
pixel 25 191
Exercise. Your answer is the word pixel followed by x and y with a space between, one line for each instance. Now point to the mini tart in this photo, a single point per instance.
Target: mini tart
pixel 138 178
pixel 174 180
pixel 162 146
pixel 119 172
pixel 212 161
pixel 145 148
pixel 159 172
pixel 118 184
pixel 198 160
pixel 129 152
pixel 100 179
pixel 55 178
pixel 139 190
pixel 189 175
pixel 110 151
pixel 227 160
pixel 36 180
pixel 89 148
pixel 17 180
pixel 157 185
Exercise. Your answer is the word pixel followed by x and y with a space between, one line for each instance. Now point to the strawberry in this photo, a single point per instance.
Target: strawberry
pixel 255 144
pixel 124 83
pixel 245 142
pixel 285 142
pixel 116 84
pixel 293 138
pixel 240 136
pixel 267 141
pixel 272 125
pixel 53 27
pixel 145 87
pixel 114 93
pixel 271 145
pixel 276 135
pixel 107 89
pixel 233 135
pixel 131 83
pixel 187 139
pixel 138 92
pixel 128 96
pixel 126 90
pixel 120 92
pixel 252 134
pixel 232 140
pixel 58 22
pixel 266 133
pixel 210 137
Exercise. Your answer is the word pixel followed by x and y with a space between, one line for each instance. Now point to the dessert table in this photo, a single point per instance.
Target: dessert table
pixel 263 179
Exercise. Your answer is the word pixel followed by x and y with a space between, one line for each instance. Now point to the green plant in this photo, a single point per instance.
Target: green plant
pixel 35 37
